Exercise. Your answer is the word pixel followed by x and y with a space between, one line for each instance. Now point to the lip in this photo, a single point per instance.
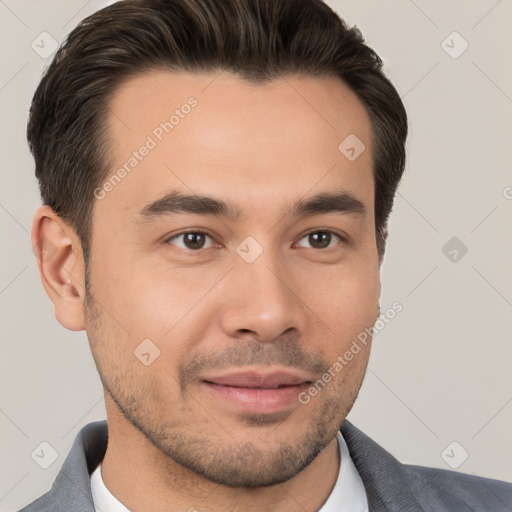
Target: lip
pixel 256 391
pixel 259 379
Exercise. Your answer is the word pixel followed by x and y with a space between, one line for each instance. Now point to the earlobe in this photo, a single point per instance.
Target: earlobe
pixel 60 261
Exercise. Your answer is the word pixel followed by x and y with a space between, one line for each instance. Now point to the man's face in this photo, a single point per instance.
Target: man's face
pixel 263 294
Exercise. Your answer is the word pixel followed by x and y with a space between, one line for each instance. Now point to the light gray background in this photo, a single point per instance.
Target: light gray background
pixel 439 372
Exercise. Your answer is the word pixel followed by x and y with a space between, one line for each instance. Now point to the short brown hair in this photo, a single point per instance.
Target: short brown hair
pixel 257 39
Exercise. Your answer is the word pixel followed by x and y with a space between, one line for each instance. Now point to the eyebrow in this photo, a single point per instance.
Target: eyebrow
pixel 175 202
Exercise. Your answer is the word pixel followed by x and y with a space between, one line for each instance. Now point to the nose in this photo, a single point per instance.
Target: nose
pixel 262 298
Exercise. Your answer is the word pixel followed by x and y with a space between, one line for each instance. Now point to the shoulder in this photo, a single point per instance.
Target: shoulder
pixel 435 487
pixel 71 490
pixel 393 486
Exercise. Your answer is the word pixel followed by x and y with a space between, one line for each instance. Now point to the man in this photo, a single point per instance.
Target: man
pixel 217 178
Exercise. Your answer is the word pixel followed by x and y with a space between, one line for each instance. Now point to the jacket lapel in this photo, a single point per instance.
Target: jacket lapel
pixel 384 477
pixel 71 490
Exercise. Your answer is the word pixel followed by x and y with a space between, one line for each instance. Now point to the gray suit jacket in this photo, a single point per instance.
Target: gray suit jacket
pixel 390 485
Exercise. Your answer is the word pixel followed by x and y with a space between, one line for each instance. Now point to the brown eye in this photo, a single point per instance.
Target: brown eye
pixel 192 240
pixel 321 239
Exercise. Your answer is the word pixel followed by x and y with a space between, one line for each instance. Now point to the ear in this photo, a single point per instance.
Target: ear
pixel 61 265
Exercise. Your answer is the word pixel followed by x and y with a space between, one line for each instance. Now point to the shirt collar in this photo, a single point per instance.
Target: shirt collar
pixel 348 494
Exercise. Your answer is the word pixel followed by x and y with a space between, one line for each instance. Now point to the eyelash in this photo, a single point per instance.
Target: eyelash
pixel 202 231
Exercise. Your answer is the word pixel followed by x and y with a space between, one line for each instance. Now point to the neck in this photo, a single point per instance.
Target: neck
pixel 143 478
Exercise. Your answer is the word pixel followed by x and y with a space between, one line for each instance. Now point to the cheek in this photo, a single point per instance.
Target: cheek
pixel 348 306
pixel 151 300
pixel 346 298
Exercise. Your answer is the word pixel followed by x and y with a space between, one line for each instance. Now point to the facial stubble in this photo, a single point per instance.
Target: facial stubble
pixel 199 439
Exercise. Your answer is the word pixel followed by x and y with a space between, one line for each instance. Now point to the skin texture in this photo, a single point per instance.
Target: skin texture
pixel 173 443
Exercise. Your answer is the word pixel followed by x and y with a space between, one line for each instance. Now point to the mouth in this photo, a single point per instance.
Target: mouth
pixel 258 392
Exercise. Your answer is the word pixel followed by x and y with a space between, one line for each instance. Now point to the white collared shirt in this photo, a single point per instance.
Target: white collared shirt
pixel 348 494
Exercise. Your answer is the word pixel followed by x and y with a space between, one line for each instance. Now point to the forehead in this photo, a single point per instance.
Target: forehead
pixel 215 134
